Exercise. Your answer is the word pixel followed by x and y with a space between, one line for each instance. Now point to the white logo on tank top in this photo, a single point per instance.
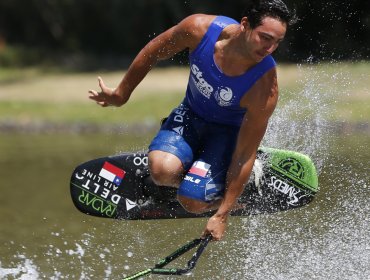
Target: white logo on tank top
pixel 202 85
pixel 220 24
pixel 224 96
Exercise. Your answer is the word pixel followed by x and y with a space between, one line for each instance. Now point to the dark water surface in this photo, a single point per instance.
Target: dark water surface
pixel 42 235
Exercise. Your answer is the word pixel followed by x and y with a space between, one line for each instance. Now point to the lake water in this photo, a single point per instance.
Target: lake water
pixel 42 235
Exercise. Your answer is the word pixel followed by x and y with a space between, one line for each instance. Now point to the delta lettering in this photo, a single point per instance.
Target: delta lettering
pixel 102 190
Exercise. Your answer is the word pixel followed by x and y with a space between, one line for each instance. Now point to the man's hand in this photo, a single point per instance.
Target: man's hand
pixel 107 96
pixel 216 227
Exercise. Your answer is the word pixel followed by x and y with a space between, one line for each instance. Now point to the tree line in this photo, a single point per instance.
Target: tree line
pixel 115 30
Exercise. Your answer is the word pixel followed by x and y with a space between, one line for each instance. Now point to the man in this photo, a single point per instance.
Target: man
pixel 207 145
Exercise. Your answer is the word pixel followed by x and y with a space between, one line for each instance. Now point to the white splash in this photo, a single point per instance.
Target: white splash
pixel 24 270
pixel 328 239
pixel 300 121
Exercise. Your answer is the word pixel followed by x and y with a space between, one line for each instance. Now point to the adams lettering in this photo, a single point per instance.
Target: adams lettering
pixel 286 189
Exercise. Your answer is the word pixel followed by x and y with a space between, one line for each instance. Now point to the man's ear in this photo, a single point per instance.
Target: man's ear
pixel 244 24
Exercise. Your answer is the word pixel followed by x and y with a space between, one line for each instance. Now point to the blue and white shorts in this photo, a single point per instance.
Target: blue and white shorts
pixel 204 148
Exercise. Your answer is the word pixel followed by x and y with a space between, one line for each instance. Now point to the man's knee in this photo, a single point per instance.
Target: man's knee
pixel 165 169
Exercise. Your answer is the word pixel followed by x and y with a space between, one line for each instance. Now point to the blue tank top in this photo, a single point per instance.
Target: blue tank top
pixel 211 94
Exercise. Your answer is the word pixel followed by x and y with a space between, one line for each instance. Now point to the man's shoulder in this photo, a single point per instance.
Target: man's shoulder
pixel 201 19
pixel 193 28
pixel 198 22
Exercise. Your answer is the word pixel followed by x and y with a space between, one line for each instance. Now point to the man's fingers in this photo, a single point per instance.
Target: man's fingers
pixel 95 97
pixel 101 84
pixel 93 93
pixel 215 235
pixel 102 103
pixel 100 97
pixel 206 233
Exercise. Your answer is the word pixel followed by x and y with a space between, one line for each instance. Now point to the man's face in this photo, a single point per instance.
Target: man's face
pixel 265 38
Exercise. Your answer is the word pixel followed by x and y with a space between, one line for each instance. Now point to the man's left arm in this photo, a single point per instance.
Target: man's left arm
pixel 260 102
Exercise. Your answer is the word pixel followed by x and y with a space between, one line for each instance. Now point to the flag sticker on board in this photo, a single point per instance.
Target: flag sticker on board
pixel 112 173
pixel 200 168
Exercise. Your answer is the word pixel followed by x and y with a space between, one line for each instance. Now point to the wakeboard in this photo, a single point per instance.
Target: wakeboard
pixel 120 187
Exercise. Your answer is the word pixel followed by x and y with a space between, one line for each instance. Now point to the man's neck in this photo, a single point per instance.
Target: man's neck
pixel 230 55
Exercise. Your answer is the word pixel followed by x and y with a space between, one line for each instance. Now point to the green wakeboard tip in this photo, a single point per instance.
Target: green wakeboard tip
pixel 295 166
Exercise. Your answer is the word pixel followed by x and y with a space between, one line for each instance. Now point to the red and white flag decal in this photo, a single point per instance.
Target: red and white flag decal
pixel 200 168
pixel 112 173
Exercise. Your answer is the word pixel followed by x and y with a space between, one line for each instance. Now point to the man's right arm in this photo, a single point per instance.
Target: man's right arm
pixel 185 35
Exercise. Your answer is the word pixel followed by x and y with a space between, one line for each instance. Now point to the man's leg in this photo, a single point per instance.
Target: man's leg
pixel 203 186
pixel 171 151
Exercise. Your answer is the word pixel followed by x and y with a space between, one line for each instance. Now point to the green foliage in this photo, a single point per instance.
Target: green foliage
pixel 19 56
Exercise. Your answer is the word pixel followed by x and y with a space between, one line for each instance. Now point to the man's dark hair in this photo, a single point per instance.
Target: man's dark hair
pixel 257 10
